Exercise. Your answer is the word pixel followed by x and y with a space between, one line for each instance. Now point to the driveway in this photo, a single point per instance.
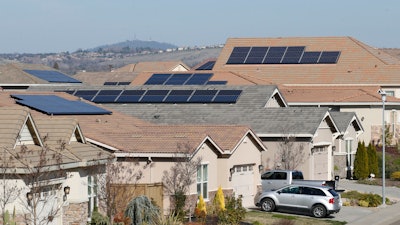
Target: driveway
pixel 382 215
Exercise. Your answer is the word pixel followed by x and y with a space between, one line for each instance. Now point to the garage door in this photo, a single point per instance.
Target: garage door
pixel 320 155
pixel 243 184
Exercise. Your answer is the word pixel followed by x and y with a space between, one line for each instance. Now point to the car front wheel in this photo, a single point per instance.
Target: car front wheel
pixel 319 211
pixel 268 205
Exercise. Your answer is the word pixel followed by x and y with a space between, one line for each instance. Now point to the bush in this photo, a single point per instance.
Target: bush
pixel 363 203
pixel 234 211
pixel 373 200
pixel 395 175
pixel 98 218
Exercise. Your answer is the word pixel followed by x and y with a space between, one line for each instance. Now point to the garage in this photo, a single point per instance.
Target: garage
pixel 320 162
pixel 243 183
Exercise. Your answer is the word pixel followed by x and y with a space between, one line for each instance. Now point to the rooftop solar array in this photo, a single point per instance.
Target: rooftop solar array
pixel 182 79
pixel 207 66
pixel 158 96
pixel 281 55
pixel 112 83
pixel 55 105
pixel 52 76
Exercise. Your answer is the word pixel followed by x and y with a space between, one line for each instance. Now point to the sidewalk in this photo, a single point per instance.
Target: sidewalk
pixel 382 215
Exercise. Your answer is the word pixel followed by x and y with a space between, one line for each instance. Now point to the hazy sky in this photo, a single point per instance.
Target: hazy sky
pixel 42 26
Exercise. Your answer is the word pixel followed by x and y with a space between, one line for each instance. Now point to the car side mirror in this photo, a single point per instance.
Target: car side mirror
pixel 279 192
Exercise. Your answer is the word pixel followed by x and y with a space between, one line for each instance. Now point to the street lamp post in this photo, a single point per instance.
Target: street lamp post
pixel 383 94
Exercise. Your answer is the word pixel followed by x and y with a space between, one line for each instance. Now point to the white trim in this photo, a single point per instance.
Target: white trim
pixel 101 144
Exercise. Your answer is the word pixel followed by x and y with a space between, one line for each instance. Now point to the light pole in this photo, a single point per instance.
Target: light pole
pixel 383 94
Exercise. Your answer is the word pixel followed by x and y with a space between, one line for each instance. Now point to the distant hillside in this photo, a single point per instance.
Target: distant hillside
pixel 134 46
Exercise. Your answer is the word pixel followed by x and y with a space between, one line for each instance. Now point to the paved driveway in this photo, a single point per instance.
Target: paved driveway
pixel 387 215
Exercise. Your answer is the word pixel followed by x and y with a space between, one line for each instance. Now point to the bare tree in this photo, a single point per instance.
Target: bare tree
pixel 41 170
pixel 116 184
pixel 290 154
pixel 9 190
pixel 181 176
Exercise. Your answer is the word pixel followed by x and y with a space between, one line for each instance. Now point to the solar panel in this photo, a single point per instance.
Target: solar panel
pixel 293 54
pixel 86 94
pixel 274 55
pixel 217 82
pixel 238 55
pixel 202 96
pixel 158 78
pixel 207 66
pixel 124 83
pixel 52 76
pixel 227 96
pixel 55 105
pixel 107 96
pixel 199 79
pixel 178 96
pixel 178 79
pixel 310 57
pixel 329 57
pixel 156 96
pixel 130 96
pixel 110 83
pixel 256 55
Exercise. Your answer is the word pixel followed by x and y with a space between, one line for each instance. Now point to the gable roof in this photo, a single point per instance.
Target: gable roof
pixel 17 74
pixel 99 78
pixel 344 119
pixel 13 120
pixel 334 95
pixel 152 66
pixel 358 63
pixel 59 152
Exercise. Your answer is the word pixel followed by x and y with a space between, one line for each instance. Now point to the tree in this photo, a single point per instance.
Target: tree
pixel 9 190
pixel 290 154
pixel 361 170
pixel 180 177
pixel 373 164
pixel 116 184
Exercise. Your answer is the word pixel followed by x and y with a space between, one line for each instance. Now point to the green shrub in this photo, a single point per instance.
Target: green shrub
pixel 234 211
pixel 373 200
pixel 98 218
pixel 395 175
pixel 363 203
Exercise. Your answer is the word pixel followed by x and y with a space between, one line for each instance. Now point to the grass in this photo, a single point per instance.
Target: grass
pixel 260 217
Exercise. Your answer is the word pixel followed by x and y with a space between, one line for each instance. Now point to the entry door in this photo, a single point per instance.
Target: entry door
pixel 243 184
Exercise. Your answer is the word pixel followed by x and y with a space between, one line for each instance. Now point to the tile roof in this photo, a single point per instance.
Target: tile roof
pixel 54 132
pixel 152 66
pixel 296 95
pixel 99 78
pixel 358 63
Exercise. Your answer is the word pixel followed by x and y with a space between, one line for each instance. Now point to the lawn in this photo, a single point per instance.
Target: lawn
pixel 257 217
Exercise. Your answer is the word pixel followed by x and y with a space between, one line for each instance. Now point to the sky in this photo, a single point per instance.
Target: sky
pixel 52 26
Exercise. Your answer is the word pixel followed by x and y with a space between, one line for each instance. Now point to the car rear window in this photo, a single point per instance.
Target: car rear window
pixel 333 192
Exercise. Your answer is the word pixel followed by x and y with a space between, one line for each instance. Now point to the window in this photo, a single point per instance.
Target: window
pixel 92 194
pixel 202 180
pixel 274 176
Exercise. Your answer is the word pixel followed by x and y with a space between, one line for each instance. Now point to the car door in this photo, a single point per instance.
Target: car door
pixel 288 196
pixel 309 196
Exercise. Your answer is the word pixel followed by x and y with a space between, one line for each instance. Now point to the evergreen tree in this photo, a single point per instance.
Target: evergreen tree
pixel 361 170
pixel 372 159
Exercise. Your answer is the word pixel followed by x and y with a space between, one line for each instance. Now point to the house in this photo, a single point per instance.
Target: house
pixel 365 101
pixel 224 149
pixel 260 107
pixel 346 144
pixel 45 167
pixel 18 76
pixel 126 74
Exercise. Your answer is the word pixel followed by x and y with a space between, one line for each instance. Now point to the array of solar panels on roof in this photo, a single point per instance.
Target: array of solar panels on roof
pixel 207 66
pixel 52 76
pixel 182 79
pixel 281 55
pixel 158 96
pixel 112 83
pixel 55 105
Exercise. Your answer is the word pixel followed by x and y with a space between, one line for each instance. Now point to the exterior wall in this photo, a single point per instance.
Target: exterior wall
pixel 341 157
pixel 75 214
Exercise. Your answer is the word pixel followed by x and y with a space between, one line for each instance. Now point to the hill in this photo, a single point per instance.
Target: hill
pixel 134 46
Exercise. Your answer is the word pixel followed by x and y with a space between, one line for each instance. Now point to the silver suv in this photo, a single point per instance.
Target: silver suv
pixel 319 201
